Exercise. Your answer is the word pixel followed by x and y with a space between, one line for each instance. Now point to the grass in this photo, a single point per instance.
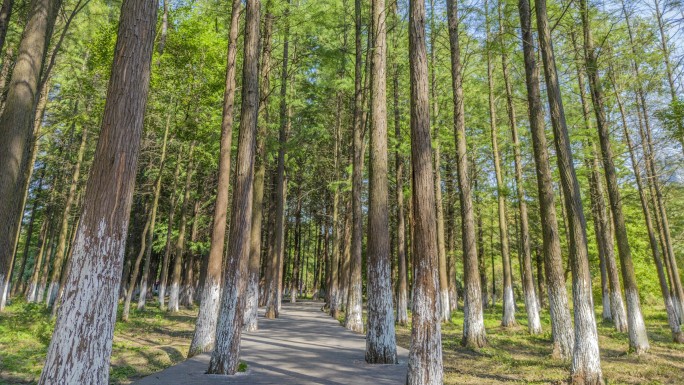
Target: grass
pixel 515 357
pixel 153 340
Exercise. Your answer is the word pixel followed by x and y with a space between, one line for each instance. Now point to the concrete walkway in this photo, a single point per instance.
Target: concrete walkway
pixel 303 346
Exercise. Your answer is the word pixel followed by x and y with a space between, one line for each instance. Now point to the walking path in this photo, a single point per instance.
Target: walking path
pixel 303 346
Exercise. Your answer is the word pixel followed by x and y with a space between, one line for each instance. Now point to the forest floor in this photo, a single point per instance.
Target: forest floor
pixel 515 357
pixel 154 340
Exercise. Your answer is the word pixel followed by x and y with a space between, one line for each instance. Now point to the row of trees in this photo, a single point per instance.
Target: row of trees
pixel 300 194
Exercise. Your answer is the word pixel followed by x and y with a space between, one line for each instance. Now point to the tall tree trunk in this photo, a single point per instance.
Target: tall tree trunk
pixel 40 291
pixel 334 294
pixel 32 287
pixel 586 362
pixel 533 322
pixel 602 227
pixel 425 354
pixel 402 295
pixel 638 340
pixel 252 304
pixel 20 284
pixel 164 274
pixel 142 298
pixel 508 318
pixel 85 324
pixel 16 127
pixel 381 345
pixel 451 225
pixel 561 323
pixel 353 315
pixel 473 324
pixel 656 196
pixel 205 325
pixel 62 239
pixel 188 285
pixel 277 252
pixel 445 311
pixel 136 269
pixel 297 246
pixel 5 16
pixel 481 262
pixel 672 316
pixel 226 356
pixel 175 288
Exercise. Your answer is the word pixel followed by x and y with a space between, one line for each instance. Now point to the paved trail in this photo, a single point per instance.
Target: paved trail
pixel 304 346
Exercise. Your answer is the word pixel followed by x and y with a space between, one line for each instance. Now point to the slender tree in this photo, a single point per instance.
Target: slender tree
pixel 142 298
pixel 205 325
pixel 561 323
pixel 533 322
pixel 473 325
pixel 638 340
pixel 225 358
pixel 252 306
pixel 277 251
pixel 16 128
pixel 445 312
pixel 508 318
pixel 586 362
pixel 353 315
pixel 603 228
pixel 425 355
pixel 380 337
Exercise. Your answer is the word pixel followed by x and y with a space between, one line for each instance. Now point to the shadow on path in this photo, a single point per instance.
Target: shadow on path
pixel 303 346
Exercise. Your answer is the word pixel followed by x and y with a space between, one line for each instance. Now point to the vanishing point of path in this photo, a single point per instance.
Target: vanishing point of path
pixel 303 346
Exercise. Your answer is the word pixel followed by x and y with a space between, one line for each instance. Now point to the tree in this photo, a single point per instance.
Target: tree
pixel 16 128
pixel 225 358
pixel 474 334
pixel 508 318
pixel 441 247
pixel 425 355
pixel 533 322
pixel 205 326
pixel 353 315
pixel 276 256
pixel 638 340
pixel 586 362
pixel 561 325
pixel 252 308
pixel 85 323
pixel 380 337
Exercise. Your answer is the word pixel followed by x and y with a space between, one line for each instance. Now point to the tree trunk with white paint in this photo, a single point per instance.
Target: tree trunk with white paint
pixel 613 306
pixel 638 340
pixel 85 324
pixel 474 334
pixel 561 323
pixel 226 356
pixel 205 325
pixel 381 345
pixel 508 318
pixel 425 354
pixel 353 315
pixel 174 291
pixel 253 298
pixel 153 215
pixel 586 362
